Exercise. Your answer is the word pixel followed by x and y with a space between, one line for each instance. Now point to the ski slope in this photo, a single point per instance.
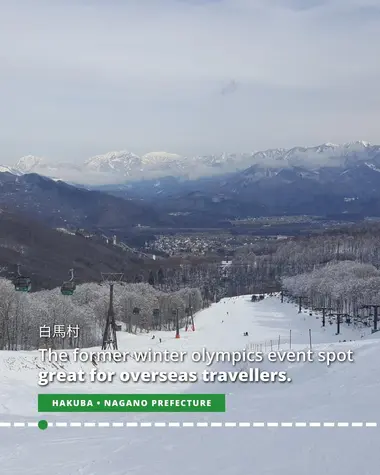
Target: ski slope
pixel 347 392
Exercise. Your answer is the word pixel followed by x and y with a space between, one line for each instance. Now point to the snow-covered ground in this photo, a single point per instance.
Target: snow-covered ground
pixel 343 392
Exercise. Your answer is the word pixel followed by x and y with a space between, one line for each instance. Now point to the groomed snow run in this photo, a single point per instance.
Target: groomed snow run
pixel 342 393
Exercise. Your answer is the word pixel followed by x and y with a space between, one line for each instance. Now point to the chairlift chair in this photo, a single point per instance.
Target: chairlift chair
pixel 69 287
pixel 22 283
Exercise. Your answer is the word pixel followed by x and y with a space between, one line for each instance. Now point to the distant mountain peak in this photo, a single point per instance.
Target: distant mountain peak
pixel 117 162
pixel 359 142
pixel 28 163
pixel 114 156
pixel 159 157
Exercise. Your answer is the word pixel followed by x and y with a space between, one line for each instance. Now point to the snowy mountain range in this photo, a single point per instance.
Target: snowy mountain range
pixel 338 180
pixel 123 166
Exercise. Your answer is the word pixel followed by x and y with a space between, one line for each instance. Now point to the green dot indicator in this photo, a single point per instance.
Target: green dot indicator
pixel 42 424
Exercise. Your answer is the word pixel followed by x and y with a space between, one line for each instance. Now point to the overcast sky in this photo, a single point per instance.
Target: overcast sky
pixel 84 77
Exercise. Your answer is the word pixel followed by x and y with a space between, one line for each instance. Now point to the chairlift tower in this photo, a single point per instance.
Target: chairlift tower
pixel 136 311
pixel 300 299
pixel 324 310
pixel 176 316
pixel 338 320
pixel 375 315
pixel 157 320
pixel 109 335
pixel 189 317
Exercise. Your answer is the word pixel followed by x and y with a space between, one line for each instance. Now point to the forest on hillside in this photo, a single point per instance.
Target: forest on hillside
pixel 339 270
pixel 262 266
pixel 336 269
pixel 23 314
pixel 345 287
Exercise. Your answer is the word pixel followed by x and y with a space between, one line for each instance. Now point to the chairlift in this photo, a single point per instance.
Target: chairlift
pixel 22 283
pixel 69 287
